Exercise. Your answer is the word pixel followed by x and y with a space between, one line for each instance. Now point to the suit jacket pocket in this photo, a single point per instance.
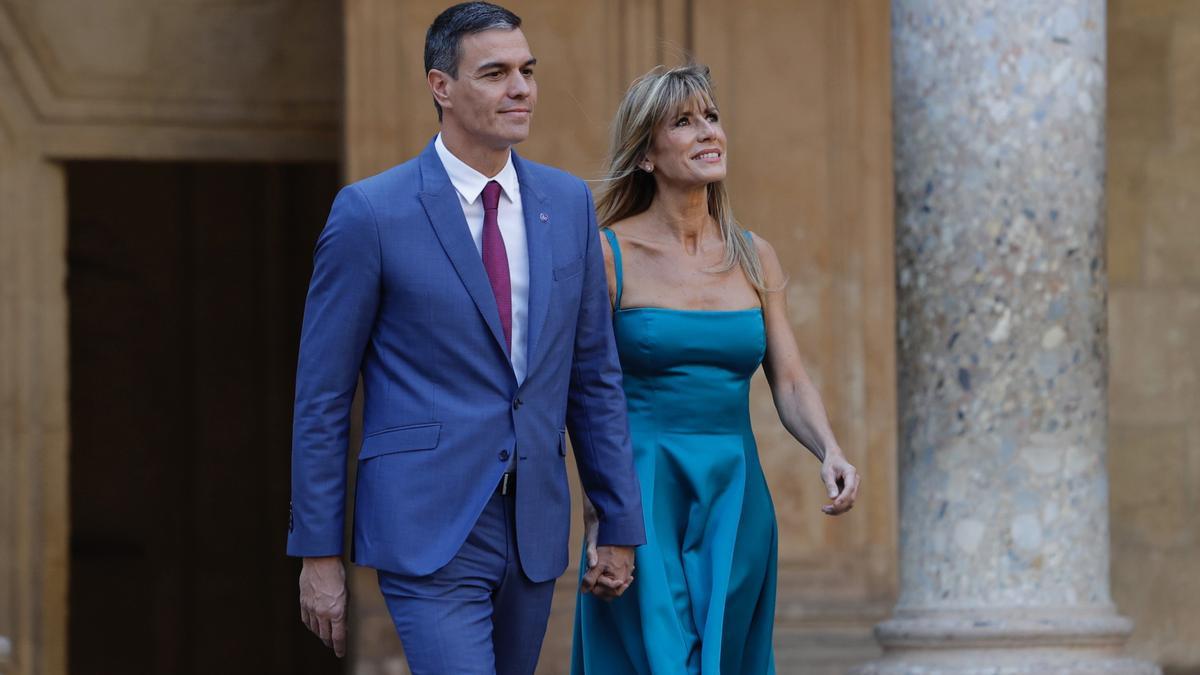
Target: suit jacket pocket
pixel 400 439
pixel 569 270
pixel 562 442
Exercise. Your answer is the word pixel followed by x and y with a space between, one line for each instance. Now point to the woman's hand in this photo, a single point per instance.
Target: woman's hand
pixel 591 530
pixel 841 480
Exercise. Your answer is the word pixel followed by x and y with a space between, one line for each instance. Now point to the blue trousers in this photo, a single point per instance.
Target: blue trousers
pixel 479 614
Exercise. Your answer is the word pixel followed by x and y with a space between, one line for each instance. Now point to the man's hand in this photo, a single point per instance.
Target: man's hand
pixel 612 574
pixel 323 601
pixel 591 530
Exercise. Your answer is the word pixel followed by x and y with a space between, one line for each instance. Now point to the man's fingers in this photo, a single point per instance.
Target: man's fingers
pixel 610 581
pixel 339 637
pixel 623 586
pixel 326 631
pixel 310 620
pixel 592 556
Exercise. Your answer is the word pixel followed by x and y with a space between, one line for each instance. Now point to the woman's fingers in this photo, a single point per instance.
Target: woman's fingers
pixel 829 477
pixel 845 497
pixel 842 481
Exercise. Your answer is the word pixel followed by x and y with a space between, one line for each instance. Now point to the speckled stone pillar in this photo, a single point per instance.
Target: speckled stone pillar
pixel 999 142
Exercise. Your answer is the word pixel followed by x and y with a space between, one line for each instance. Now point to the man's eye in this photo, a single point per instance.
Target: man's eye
pixel 528 72
pixel 494 75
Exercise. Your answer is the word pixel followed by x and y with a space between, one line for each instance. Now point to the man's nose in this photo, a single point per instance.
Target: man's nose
pixel 519 86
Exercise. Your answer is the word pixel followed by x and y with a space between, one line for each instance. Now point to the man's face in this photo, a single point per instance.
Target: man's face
pixel 493 97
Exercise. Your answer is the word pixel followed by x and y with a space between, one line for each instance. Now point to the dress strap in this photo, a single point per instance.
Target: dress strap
pixel 616 251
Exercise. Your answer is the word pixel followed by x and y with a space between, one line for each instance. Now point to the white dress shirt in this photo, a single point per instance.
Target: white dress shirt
pixel 469 184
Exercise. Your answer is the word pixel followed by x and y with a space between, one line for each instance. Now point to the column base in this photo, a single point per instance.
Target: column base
pixel 1005 642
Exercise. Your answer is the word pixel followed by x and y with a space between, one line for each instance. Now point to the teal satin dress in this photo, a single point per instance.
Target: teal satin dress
pixel 703 599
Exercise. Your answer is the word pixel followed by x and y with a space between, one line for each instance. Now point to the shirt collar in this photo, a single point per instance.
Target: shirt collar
pixel 470 183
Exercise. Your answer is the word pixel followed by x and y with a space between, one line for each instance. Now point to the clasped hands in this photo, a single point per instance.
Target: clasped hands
pixel 609 568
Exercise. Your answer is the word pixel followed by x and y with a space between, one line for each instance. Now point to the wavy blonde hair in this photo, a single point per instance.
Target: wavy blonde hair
pixel 627 190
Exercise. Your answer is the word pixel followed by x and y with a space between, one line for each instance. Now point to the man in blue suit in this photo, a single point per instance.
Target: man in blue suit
pixel 467 286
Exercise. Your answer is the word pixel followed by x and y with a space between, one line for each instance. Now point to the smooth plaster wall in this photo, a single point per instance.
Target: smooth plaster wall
pixel 1154 324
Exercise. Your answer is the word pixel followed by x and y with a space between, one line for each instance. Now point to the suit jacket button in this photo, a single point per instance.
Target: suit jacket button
pixel 517 404
pixel 503 455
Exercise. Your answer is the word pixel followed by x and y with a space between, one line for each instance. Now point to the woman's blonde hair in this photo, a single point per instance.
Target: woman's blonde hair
pixel 627 190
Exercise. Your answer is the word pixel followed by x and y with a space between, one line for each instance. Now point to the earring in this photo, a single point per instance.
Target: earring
pixel 647 167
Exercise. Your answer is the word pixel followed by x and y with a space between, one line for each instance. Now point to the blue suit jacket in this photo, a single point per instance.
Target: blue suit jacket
pixel 399 293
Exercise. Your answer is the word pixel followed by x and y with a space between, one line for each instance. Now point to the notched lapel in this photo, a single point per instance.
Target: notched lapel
pixel 445 214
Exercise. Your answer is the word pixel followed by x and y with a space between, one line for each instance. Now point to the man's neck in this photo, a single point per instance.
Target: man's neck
pixel 486 160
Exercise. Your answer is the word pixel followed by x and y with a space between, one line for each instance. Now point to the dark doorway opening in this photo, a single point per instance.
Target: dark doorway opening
pixel 186 288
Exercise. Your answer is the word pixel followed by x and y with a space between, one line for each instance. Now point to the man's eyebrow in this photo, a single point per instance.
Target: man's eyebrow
pixel 500 64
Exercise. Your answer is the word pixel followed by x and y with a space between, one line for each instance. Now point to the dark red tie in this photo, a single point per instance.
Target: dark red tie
pixel 495 259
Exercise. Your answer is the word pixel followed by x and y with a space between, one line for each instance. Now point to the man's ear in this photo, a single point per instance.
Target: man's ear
pixel 439 85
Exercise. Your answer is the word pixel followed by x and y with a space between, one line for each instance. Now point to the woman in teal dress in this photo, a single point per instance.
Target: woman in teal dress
pixel 697 307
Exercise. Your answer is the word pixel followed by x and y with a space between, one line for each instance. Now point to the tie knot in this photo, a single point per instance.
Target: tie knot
pixel 491 196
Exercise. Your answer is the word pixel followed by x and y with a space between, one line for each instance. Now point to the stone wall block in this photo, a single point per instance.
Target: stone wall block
pixel 1155 356
pixel 1173 215
pixel 1184 73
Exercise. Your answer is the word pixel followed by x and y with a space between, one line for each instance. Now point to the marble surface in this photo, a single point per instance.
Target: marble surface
pixel 999 179
pixel 1001 295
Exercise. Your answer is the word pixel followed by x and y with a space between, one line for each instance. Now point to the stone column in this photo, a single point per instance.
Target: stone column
pixel 999 167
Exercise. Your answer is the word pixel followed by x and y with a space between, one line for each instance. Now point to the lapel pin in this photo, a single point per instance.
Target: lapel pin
pixel 543 217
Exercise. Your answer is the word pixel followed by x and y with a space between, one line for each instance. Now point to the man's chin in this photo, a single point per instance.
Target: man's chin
pixel 514 137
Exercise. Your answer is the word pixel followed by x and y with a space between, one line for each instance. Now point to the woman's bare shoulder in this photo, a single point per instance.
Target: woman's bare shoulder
pixel 772 269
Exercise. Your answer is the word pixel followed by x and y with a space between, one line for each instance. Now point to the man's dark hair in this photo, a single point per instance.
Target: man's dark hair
pixel 445 34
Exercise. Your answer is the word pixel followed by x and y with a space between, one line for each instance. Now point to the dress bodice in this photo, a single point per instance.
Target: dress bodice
pixel 689 369
pixel 686 369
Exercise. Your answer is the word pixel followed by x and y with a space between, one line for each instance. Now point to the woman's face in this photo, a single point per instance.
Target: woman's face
pixel 688 149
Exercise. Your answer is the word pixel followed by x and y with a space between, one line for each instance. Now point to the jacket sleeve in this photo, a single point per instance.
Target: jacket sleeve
pixel 596 415
pixel 339 314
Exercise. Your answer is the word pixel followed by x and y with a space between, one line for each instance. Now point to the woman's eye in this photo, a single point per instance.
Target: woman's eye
pixel 712 117
pixel 681 122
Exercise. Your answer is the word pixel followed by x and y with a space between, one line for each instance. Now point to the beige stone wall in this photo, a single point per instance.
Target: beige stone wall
pixel 1154 323
pixel 143 79
pixel 168 80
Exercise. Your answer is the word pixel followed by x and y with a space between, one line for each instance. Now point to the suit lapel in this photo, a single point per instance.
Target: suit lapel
pixel 538 221
pixel 445 214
